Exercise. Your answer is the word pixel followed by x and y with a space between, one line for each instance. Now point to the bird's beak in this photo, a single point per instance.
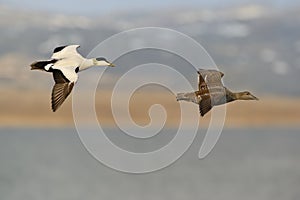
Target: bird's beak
pixel 111 65
pixel 254 97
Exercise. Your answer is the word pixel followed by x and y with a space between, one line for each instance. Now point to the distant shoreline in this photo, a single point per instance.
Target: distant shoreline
pixel 33 110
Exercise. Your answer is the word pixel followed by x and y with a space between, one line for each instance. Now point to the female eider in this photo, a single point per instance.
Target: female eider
pixel 211 92
pixel 65 63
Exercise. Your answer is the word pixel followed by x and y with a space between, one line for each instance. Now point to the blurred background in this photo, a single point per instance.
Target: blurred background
pixel 256 44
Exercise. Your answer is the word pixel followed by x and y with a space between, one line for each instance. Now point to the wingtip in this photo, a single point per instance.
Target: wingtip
pixel 53 108
pixel 201 114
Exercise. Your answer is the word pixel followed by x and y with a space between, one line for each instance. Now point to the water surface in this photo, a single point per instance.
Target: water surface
pixel 258 164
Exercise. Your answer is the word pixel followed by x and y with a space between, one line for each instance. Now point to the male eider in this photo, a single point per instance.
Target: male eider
pixel 211 92
pixel 65 63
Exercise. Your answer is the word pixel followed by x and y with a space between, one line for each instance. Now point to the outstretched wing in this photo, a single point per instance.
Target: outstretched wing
pixel 216 96
pixel 64 52
pixel 64 83
pixel 209 79
pixel 205 105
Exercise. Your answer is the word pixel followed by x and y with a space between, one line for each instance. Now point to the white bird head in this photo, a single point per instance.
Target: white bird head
pixel 102 62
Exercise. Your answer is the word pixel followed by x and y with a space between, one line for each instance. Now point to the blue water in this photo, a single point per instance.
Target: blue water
pixel 52 164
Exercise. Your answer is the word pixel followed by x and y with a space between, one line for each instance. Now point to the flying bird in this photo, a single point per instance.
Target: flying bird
pixel 211 92
pixel 65 64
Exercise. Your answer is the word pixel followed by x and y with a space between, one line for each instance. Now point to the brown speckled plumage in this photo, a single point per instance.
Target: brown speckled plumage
pixel 211 92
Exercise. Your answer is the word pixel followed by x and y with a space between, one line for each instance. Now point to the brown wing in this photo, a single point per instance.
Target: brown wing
pixel 209 79
pixel 205 105
pixel 61 89
pixel 202 85
pixel 216 96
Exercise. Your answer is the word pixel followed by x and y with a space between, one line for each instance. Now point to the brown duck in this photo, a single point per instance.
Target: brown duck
pixel 211 92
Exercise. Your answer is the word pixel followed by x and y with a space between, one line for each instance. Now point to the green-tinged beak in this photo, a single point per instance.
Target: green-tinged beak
pixel 111 65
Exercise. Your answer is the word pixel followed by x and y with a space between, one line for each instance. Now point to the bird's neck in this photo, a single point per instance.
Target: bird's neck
pixel 231 96
pixel 87 63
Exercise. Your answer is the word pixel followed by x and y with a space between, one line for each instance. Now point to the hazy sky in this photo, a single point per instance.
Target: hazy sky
pixel 86 7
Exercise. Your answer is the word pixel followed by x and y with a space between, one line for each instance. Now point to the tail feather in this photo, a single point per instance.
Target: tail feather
pixel 43 65
pixel 180 96
pixel 189 96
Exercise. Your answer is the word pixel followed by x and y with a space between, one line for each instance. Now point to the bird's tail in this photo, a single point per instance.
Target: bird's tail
pixel 180 96
pixel 42 65
pixel 189 96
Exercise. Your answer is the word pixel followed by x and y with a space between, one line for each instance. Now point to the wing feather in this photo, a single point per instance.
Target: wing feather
pixel 205 105
pixel 209 79
pixel 61 90
pixel 65 52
